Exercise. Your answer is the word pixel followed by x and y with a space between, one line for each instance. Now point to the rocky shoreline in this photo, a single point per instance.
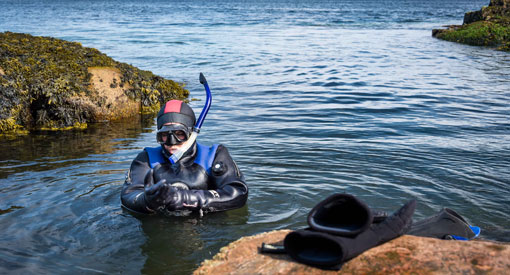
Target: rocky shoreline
pixel 404 255
pixel 489 26
pixel 52 84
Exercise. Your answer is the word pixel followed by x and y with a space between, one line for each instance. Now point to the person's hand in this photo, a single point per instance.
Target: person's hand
pixel 159 195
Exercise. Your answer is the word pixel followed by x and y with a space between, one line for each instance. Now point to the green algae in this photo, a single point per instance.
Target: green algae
pixel 481 33
pixel 41 77
pixel 489 26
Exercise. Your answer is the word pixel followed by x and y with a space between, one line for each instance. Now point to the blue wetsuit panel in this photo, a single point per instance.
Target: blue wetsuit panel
pixel 155 156
pixel 204 156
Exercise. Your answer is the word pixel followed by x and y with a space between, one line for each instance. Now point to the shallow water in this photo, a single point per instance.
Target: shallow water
pixel 310 97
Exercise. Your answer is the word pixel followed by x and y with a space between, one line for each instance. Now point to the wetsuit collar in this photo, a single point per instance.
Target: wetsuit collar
pixel 188 157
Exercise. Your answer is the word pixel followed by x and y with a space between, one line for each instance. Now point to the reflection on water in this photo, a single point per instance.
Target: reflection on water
pixel 47 150
pixel 170 244
pixel 173 244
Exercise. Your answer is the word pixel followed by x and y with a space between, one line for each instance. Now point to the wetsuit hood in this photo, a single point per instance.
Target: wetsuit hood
pixel 176 111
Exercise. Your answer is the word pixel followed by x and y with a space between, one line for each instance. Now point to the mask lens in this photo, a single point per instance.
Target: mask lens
pixel 161 137
pixel 180 135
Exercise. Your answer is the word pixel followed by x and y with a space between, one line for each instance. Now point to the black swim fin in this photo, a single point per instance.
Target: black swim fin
pixel 330 251
pixel 379 215
pixel 447 224
pixel 340 214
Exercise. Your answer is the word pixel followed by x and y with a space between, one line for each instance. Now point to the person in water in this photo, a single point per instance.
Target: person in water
pixel 204 179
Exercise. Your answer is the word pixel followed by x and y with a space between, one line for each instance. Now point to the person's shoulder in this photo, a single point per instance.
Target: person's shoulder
pixel 222 150
pixel 142 156
pixel 220 147
pixel 141 161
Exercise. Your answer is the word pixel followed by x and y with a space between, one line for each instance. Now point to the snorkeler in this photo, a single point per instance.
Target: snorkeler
pixel 181 174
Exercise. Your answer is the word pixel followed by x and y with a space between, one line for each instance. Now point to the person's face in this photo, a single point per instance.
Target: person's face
pixel 181 135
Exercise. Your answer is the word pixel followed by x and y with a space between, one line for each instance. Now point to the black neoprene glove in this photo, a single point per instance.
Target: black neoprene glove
pixel 158 195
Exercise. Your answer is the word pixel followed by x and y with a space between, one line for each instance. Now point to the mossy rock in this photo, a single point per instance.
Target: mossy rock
pixel 489 26
pixel 481 33
pixel 48 83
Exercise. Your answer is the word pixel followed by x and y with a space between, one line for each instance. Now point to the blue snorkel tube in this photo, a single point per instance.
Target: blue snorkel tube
pixel 207 105
pixel 193 137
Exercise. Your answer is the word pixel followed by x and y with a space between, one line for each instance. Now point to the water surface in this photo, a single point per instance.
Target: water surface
pixel 310 97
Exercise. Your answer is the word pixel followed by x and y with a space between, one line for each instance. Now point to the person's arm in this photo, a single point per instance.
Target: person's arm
pixel 133 191
pixel 227 191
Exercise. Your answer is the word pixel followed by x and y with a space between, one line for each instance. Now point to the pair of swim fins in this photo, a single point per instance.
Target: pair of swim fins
pixel 342 227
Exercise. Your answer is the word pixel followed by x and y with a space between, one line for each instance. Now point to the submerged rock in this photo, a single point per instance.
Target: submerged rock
pixel 489 26
pixel 406 254
pixel 52 84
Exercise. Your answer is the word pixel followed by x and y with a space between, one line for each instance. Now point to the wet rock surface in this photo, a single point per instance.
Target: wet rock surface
pixel 406 254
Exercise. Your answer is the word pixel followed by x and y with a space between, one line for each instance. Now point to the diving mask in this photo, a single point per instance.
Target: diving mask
pixel 173 134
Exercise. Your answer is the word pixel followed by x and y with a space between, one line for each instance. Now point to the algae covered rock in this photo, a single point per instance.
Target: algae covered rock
pixel 489 26
pixel 48 83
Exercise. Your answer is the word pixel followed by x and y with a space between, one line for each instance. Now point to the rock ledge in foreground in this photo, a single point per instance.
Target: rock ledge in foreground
pixel 407 254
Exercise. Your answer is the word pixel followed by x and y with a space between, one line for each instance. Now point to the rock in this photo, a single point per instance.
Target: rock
pixel 489 26
pixel 52 84
pixel 496 8
pixel 473 16
pixel 500 3
pixel 116 104
pixel 407 254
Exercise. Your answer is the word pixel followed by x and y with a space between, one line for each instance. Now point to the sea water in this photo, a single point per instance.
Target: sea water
pixel 310 97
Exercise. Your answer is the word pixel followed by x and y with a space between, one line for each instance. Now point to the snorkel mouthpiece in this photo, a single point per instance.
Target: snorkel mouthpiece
pixel 177 155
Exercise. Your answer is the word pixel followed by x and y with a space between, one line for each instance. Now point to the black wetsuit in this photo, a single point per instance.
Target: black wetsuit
pixel 223 188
